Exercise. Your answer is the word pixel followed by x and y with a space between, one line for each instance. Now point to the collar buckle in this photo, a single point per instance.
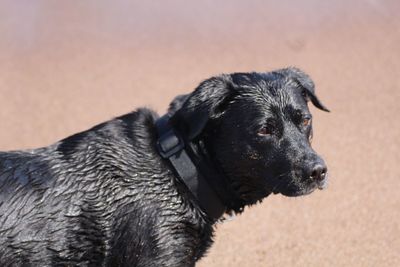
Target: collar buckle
pixel 169 144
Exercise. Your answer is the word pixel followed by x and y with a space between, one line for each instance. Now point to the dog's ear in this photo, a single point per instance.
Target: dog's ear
pixel 305 82
pixel 205 103
pixel 177 103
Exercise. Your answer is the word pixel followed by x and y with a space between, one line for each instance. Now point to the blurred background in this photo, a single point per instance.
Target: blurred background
pixel 68 65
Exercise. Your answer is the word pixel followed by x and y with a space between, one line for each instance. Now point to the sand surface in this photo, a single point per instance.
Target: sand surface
pixel 68 65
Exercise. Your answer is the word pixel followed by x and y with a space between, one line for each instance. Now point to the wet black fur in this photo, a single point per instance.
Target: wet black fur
pixel 104 197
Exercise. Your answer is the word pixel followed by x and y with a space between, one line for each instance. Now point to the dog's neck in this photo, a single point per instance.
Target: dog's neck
pixel 193 166
pixel 216 177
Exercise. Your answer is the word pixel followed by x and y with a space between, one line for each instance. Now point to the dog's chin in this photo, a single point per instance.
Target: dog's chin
pixel 297 192
pixel 301 189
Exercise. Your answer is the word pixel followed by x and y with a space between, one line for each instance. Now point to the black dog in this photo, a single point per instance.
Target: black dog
pixel 143 191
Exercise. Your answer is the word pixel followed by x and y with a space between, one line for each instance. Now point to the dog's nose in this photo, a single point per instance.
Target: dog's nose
pixel 318 172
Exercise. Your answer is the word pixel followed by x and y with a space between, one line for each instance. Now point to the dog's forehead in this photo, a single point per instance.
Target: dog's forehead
pixel 270 91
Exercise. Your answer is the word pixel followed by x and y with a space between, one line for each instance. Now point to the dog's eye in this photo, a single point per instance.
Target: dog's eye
pixel 265 130
pixel 306 121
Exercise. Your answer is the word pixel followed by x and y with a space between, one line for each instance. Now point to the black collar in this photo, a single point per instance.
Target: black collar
pixel 174 148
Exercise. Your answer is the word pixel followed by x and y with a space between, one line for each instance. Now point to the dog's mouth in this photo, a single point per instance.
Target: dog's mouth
pixel 323 184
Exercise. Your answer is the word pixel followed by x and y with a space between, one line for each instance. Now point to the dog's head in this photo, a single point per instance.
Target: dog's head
pixel 257 128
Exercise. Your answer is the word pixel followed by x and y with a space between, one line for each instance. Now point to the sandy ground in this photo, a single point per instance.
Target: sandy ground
pixel 65 67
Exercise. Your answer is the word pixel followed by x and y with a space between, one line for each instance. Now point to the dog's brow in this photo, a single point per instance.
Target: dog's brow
pixel 256 93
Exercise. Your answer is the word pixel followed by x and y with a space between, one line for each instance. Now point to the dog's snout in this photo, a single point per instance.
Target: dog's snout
pixel 318 172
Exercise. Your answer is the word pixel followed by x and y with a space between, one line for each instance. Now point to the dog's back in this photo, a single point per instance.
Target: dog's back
pixel 75 202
